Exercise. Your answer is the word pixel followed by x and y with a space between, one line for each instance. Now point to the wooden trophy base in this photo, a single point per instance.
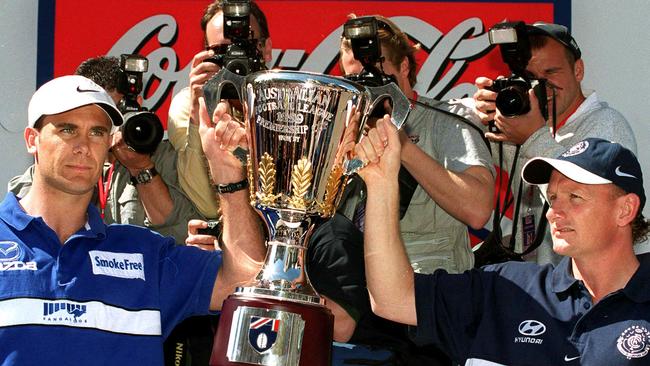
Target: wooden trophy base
pixel 255 330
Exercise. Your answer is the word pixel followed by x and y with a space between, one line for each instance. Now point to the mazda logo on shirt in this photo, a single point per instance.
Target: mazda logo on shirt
pixel 9 251
pixel 531 328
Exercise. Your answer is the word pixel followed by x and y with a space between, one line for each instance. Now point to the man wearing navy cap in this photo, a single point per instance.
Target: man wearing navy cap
pixel 593 308
pixel 573 116
pixel 84 292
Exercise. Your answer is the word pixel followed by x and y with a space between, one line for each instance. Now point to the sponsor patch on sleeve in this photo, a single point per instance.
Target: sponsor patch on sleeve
pixel 123 265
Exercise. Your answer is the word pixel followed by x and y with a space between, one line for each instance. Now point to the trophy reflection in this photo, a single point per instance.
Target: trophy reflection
pixel 302 128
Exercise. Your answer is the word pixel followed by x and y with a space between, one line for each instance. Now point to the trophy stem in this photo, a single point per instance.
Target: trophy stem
pixel 283 275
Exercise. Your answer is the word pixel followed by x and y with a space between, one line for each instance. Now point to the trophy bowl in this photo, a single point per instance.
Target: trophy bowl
pixel 302 128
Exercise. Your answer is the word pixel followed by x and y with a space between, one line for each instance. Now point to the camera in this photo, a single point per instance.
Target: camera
pixel 214 229
pixel 366 47
pixel 142 130
pixel 512 99
pixel 241 56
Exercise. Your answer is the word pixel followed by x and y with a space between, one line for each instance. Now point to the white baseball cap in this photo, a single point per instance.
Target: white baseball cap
pixel 69 92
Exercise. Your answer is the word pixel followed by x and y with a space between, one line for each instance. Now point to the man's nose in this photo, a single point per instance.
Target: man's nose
pixel 81 145
pixel 555 210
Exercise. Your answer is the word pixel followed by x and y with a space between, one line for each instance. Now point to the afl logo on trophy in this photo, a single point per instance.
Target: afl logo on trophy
pixel 263 332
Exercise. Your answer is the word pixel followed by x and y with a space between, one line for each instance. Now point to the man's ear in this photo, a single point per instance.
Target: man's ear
pixel 31 140
pixel 629 207
pixel 579 70
pixel 404 68
pixel 268 50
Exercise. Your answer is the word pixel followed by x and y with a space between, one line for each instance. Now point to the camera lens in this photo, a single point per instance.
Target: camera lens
pixel 142 131
pixel 513 100
pixel 238 66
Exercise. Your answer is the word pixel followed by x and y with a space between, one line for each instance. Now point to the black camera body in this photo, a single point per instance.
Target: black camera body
pixel 142 130
pixel 214 229
pixel 366 47
pixel 241 56
pixel 512 99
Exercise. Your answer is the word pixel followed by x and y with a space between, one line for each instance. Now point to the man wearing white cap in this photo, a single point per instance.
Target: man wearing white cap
pixel 87 292
pixel 593 308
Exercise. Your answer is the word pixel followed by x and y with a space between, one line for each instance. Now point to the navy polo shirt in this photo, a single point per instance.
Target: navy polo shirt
pixel 108 296
pixel 524 314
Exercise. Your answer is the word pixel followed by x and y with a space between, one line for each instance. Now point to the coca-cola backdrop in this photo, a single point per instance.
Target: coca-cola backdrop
pixel 305 35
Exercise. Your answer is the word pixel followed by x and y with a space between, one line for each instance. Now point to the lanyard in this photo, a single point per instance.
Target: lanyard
pixel 104 188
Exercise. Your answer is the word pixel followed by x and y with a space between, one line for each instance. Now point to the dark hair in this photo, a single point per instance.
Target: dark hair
pixel 640 229
pixel 103 70
pixel 538 41
pixel 256 12
pixel 396 42
pixel 39 123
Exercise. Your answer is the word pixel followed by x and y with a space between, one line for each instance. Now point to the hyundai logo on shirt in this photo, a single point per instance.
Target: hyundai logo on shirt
pixel 530 329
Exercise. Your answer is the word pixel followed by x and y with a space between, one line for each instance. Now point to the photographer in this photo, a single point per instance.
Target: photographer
pixel 155 201
pixel 556 58
pixel 183 119
pixel 441 151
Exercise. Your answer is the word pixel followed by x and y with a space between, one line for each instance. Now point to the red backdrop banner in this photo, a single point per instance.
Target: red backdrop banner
pixel 305 35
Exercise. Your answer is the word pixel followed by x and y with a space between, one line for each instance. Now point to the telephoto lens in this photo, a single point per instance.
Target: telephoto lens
pixel 142 131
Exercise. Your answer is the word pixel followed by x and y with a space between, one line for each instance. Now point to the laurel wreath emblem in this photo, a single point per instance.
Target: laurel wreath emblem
pixel 267 181
pixel 301 178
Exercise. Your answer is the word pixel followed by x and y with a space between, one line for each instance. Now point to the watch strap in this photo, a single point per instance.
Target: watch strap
pixel 232 187
pixel 144 176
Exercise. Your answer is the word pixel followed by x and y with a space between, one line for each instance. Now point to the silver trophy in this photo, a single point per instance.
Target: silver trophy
pixel 302 129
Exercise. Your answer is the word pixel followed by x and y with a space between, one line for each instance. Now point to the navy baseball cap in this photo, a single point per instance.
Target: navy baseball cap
pixel 591 161
pixel 558 32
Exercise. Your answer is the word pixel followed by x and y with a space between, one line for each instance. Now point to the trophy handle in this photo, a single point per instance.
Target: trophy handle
pixel 401 104
pixel 401 109
pixel 224 85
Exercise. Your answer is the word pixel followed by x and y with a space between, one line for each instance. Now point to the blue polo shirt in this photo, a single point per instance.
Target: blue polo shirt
pixel 108 296
pixel 525 314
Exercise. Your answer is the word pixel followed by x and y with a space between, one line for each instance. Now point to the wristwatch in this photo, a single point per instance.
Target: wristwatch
pixel 232 187
pixel 144 176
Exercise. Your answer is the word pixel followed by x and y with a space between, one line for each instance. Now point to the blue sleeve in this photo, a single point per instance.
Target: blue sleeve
pixel 449 309
pixel 187 277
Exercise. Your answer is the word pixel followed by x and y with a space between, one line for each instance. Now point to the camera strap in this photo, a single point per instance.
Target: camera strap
pixel 507 199
pixel 554 115
pixel 452 114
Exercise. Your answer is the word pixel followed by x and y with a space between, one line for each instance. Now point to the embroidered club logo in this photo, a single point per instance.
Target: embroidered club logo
pixel 9 251
pixel 634 342
pixel 576 149
pixel 263 332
